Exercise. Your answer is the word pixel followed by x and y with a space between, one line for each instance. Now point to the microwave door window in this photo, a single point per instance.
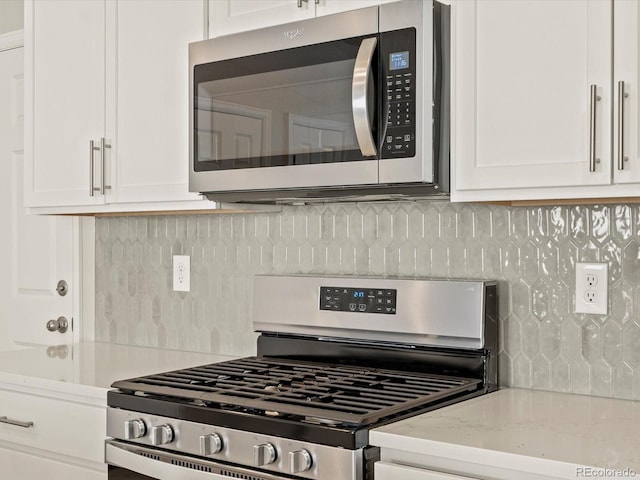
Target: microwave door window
pixel 292 107
pixel 230 131
pixel 309 135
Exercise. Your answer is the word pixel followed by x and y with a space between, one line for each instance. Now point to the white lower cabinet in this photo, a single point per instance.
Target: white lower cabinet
pixel 455 462
pixel 42 436
pixel 390 471
pixel 17 465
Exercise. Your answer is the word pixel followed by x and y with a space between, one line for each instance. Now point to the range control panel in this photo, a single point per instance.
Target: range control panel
pixel 358 300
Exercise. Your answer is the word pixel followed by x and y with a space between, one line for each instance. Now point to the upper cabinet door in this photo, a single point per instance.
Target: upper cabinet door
pixel 626 78
pixel 232 16
pixel 147 101
pixel 327 7
pixel 524 115
pixel 64 100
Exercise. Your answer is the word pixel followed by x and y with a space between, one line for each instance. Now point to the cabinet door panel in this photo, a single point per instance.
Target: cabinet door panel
pixel 232 16
pixel 390 471
pixel 328 7
pixel 149 134
pixel 626 69
pixel 21 466
pixel 522 93
pixel 65 99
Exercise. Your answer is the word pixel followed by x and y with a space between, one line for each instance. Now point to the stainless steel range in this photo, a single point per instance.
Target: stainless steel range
pixel 337 356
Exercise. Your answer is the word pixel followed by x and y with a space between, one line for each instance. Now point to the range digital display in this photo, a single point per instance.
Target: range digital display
pixel 398 60
pixel 358 300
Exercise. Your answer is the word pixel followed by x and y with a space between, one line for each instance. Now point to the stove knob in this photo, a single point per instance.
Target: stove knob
pixel 134 429
pixel 299 461
pixel 210 444
pixel 161 435
pixel 264 454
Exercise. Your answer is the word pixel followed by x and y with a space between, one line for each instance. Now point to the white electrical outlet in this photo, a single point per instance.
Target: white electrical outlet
pixel 181 273
pixel 592 288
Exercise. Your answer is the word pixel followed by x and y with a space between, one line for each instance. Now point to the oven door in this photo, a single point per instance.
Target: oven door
pixel 134 462
pixel 302 115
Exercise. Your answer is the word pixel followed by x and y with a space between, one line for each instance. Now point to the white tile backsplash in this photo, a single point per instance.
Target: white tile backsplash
pixel 531 251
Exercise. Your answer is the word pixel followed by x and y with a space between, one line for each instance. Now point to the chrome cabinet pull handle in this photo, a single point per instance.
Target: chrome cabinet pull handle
pixel 305 1
pixel 103 146
pixel 593 98
pixel 359 95
pixel 621 96
pixel 92 148
pixel 17 423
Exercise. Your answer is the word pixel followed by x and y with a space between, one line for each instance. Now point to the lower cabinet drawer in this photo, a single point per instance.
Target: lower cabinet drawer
pixel 67 428
pixel 392 471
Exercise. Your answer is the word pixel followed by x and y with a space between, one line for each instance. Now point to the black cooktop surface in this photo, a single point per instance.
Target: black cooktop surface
pixel 310 392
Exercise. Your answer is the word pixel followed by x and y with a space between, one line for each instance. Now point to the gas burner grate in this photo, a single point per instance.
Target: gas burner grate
pixel 321 392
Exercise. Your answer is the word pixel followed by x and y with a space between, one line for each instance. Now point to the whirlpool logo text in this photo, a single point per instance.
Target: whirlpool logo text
pixel 291 34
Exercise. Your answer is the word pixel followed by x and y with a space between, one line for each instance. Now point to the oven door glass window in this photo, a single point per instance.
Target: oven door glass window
pixel 117 473
pixel 291 107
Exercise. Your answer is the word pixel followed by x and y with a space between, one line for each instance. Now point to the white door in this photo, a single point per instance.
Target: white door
pixel 523 73
pixel 65 64
pixel 149 134
pixel 232 16
pixel 626 78
pixel 35 252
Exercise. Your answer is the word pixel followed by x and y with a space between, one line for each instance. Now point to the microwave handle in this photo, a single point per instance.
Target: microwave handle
pixel 359 95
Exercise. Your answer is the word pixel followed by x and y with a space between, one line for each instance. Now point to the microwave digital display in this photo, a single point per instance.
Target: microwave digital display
pixel 398 60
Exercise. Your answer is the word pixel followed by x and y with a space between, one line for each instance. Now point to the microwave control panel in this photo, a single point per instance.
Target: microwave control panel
pixel 398 59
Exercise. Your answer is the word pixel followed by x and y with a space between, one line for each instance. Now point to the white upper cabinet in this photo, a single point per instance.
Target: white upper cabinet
pixel 148 128
pixel 232 16
pixel 525 126
pixel 626 94
pixel 532 97
pixel 327 7
pixel 111 75
pixel 64 101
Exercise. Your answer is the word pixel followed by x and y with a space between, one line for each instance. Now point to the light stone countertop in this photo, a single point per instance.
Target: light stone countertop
pixel 85 371
pixel 519 427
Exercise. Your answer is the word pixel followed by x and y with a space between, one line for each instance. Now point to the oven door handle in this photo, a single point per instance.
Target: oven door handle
pixel 122 458
pixel 360 94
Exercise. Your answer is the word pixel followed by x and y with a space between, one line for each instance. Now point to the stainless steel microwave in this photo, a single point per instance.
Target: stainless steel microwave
pixel 353 105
